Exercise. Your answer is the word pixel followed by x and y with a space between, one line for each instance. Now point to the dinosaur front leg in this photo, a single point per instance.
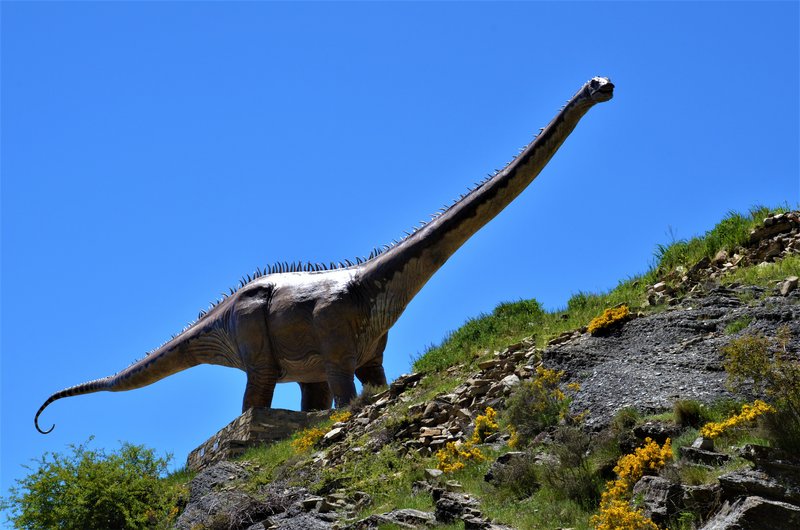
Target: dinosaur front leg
pixel 315 396
pixel 259 390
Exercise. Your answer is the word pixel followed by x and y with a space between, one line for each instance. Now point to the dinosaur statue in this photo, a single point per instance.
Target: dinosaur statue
pixel 321 326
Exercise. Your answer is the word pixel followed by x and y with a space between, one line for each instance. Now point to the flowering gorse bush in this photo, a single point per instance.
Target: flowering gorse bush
pixel 766 366
pixel 513 441
pixel 616 512
pixel 454 456
pixel 307 439
pixel 538 404
pixel 485 424
pixel 610 317
pixel 341 416
pixel 619 515
pixel 749 414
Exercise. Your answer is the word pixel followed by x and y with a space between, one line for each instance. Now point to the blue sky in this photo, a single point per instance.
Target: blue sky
pixel 153 153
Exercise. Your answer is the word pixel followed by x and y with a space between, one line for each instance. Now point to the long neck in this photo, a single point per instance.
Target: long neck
pixel 396 276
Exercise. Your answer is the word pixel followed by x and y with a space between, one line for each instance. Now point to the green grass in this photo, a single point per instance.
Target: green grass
pixel 544 509
pixel 767 274
pixel 733 231
pixel 738 325
pixel 511 322
pixel 269 457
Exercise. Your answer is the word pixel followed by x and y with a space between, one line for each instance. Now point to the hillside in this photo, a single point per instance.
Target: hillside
pixel 672 401
pixel 596 396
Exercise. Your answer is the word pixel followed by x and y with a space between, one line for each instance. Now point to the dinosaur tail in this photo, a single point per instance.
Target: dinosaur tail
pixel 174 356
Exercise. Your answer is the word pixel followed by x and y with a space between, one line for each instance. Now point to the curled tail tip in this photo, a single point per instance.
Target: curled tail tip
pixel 38 413
pixel 48 431
pixel 36 422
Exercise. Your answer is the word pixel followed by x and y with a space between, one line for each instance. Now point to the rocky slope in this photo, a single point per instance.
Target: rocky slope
pixel 646 363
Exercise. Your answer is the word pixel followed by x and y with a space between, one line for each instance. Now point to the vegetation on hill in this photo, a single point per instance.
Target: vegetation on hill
pixel 90 488
pixel 585 482
pixel 510 322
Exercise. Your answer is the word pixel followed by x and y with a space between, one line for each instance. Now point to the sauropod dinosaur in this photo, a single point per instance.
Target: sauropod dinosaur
pixel 321 326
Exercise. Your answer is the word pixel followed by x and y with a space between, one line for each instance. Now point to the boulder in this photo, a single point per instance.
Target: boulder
pixel 755 513
pixel 788 285
pixel 660 498
pixel 452 506
pixel 700 456
pixel 406 518
pixel 753 482
pixel 499 465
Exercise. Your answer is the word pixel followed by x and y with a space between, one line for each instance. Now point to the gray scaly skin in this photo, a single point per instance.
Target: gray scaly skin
pixel 321 327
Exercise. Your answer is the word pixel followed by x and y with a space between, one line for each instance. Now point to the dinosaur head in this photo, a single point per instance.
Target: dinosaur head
pixel 599 89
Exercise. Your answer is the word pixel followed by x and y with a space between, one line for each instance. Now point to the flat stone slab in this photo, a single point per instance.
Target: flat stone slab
pixel 254 427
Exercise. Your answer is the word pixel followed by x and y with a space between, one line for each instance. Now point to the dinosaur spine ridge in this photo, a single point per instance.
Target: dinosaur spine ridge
pixel 299 266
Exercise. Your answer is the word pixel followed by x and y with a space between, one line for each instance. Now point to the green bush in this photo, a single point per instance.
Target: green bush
pixel 569 473
pixel 519 477
pixel 366 397
pixel 688 413
pixel 90 489
pixel 537 404
pixel 764 366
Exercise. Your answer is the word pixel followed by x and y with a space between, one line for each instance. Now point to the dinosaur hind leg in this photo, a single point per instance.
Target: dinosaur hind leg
pixel 315 396
pixel 371 375
pixel 372 372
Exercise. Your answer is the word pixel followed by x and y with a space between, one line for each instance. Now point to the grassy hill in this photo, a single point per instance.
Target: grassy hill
pixel 558 475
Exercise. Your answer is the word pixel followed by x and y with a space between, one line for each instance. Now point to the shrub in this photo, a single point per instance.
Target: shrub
pixel 688 412
pixel 365 397
pixel 748 414
pixel 616 512
pixel 484 426
pixel 570 474
pixel 763 366
pixel 92 489
pixel 609 319
pixel 308 438
pixel 519 477
pixel 341 416
pixel 537 404
pixel 454 456
pixel 622 425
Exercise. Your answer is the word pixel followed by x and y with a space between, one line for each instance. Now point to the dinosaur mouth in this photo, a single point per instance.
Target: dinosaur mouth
pixel 604 92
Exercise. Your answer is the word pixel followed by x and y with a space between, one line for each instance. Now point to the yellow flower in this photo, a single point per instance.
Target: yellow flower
pixel 484 426
pixel 616 512
pixel 608 319
pixel 307 439
pixel 748 414
pixel 341 416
